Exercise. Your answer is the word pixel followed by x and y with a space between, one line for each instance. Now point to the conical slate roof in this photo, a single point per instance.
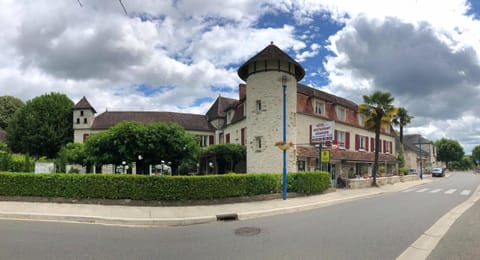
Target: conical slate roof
pixel 271 52
pixel 84 104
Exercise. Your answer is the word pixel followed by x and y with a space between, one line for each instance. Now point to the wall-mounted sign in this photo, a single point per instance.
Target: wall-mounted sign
pixel 322 132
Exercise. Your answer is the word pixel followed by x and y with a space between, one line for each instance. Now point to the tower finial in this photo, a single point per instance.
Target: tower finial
pixel 271 42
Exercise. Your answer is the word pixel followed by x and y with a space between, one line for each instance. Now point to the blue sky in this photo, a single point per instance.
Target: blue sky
pixel 180 55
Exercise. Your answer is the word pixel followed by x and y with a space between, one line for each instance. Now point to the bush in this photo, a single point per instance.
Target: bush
pixel 162 188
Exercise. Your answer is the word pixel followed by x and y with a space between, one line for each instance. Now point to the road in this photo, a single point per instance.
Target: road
pixel 375 228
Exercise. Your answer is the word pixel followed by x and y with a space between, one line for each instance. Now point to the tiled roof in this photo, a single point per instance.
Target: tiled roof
pixel 217 110
pixel 337 154
pixel 187 121
pixel 313 92
pixel 271 52
pixel 84 104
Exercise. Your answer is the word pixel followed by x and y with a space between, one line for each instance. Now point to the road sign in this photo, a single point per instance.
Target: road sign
pixel 325 156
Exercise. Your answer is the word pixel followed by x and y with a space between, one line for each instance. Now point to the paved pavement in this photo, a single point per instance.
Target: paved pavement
pixel 184 215
pixel 188 215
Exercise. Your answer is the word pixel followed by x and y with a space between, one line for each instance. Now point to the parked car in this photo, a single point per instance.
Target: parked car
pixel 438 172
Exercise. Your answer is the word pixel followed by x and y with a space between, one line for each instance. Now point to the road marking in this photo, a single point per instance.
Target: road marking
pixel 409 190
pixel 450 191
pixel 465 192
pixel 435 190
pixel 422 190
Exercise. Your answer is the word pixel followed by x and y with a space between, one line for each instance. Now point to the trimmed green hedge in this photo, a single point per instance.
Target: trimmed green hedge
pixel 161 188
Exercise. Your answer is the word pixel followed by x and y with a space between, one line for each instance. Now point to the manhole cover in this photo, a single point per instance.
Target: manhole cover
pixel 247 231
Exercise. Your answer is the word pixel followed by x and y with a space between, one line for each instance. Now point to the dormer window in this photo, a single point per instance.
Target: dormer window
pixel 230 114
pixel 319 107
pixel 341 115
pixel 361 120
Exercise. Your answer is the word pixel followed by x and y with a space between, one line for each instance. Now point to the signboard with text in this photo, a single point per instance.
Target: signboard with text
pixel 325 156
pixel 322 132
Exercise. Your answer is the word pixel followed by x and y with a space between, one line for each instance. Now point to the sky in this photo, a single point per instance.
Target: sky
pixel 180 55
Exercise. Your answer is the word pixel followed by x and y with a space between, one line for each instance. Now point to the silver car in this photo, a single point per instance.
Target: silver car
pixel 438 172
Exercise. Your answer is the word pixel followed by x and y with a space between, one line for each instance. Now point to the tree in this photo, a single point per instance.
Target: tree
pixel 227 155
pixel 379 113
pixel 401 119
pixel 133 142
pixel 464 164
pixel 8 106
pixel 42 126
pixel 476 154
pixel 449 150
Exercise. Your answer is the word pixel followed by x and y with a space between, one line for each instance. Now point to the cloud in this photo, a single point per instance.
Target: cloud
pixel 411 61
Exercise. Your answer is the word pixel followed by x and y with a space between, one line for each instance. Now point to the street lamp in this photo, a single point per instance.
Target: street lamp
pixel 284 87
pixel 124 163
pixel 210 164
pixel 162 164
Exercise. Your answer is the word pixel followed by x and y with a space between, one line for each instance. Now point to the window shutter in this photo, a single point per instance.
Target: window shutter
pixel 372 142
pixel 210 140
pixel 380 145
pixel 347 140
pixel 227 138
pixel 357 142
pixel 366 144
pixel 391 146
pixel 335 138
pixel 310 134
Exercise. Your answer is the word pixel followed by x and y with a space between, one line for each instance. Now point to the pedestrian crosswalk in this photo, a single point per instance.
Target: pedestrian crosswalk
pixel 444 191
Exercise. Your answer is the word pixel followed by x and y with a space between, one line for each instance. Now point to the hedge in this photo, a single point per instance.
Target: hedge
pixel 157 188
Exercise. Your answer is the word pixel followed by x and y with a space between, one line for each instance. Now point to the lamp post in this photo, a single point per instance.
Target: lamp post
pixel 420 155
pixel 162 164
pixel 284 86
pixel 123 168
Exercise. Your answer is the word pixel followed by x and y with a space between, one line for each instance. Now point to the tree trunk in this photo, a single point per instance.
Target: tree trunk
pixel 377 150
pixel 401 134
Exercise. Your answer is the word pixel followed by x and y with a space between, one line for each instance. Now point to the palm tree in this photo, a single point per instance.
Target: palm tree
pixel 402 119
pixel 379 113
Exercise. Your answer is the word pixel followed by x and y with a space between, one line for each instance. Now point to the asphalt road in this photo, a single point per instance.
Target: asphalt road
pixel 375 228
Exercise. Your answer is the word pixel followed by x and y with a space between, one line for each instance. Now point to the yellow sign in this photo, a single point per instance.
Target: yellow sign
pixel 325 156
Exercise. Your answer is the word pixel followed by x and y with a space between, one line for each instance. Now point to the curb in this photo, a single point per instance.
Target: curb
pixel 147 222
pixel 424 245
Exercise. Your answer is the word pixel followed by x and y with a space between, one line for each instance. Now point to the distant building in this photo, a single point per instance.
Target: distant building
pixel 255 121
pixel 412 153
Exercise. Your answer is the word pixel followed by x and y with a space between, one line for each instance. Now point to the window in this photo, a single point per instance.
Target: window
pixel 85 137
pixel 242 137
pixel 361 120
pixel 84 120
pixel 258 143
pixel 230 116
pixel 387 146
pixel 341 113
pixel 361 142
pixel 81 112
pixel 203 140
pixel 319 107
pixel 258 105
pixel 227 138
pixel 342 139
pixel 78 120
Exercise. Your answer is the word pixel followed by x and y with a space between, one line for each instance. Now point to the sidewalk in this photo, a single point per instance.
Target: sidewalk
pixel 188 215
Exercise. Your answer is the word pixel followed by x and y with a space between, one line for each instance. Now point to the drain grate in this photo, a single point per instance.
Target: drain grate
pixel 247 231
pixel 227 217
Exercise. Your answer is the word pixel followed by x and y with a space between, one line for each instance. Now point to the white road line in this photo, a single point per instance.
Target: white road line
pixel 422 190
pixel 465 192
pixel 435 190
pixel 450 191
pixel 409 190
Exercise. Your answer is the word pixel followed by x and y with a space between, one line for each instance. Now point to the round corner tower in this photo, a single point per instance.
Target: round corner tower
pixel 265 75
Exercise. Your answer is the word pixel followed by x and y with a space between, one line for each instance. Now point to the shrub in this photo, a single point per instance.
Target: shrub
pixel 163 188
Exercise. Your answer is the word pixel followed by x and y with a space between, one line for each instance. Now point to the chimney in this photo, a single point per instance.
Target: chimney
pixel 242 91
